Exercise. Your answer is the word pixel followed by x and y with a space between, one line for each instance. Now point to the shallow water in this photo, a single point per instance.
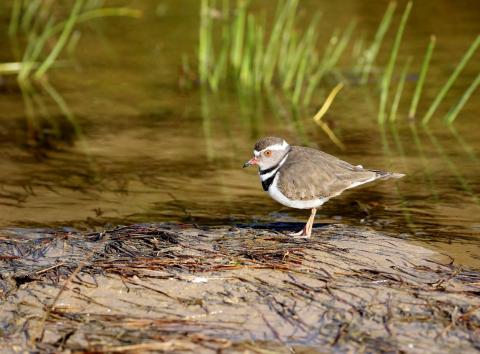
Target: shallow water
pixel 147 147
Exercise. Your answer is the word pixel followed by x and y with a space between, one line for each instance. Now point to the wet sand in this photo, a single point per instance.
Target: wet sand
pixel 186 288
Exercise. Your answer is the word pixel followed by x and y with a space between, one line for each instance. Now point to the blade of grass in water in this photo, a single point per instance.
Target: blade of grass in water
pixel 286 13
pixel 219 71
pixel 421 78
pixel 387 77
pixel 372 52
pixel 246 69
pixel 306 61
pixel 31 11
pixel 203 41
pixel 15 18
pixel 258 60
pixel 357 50
pixel 342 45
pixel 288 31
pixel 332 54
pixel 109 12
pixel 10 68
pixel 293 66
pixel 328 102
pixel 34 50
pixel 302 56
pixel 444 90
pixel 321 112
pixel 285 69
pixel 399 91
pixel 452 115
pixel 239 34
pixel 61 41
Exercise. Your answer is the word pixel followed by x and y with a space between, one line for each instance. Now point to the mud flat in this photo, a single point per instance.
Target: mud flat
pixel 184 288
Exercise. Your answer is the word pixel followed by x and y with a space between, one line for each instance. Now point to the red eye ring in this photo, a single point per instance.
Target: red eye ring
pixel 267 153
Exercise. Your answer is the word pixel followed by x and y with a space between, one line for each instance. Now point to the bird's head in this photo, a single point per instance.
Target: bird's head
pixel 268 152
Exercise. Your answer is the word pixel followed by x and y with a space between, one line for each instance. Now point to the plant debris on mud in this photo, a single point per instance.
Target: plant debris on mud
pixel 165 287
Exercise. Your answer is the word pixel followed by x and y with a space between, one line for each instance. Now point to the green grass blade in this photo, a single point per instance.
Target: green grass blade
pixel 258 60
pixel 286 13
pixel 48 62
pixel 332 54
pixel 398 93
pixel 109 12
pixel 220 69
pixel 285 40
pixel 297 55
pixel 342 45
pixel 34 49
pixel 239 35
pixel 372 52
pixel 10 68
pixel 15 18
pixel 387 77
pixel 452 115
pixel 246 69
pixel 203 42
pixel 30 13
pixel 444 90
pixel 421 79
pixel 307 58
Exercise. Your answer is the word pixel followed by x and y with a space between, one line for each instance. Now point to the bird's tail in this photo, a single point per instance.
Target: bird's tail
pixel 387 175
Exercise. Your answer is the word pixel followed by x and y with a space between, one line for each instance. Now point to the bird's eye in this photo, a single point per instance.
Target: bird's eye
pixel 268 153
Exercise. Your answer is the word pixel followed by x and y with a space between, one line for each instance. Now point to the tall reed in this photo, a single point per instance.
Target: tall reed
pixel 279 57
pixel 448 84
pixel 264 58
pixel 387 77
pixel 453 113
pixel 399 91
pixel 421 78
pixel 371 53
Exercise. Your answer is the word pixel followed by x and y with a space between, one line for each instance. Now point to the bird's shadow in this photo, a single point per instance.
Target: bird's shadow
pixel 280 226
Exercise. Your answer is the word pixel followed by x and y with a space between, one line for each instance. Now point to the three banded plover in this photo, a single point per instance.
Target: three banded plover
pixel 304 178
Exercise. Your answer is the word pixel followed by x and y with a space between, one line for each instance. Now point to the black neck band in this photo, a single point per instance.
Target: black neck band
pixel 268 170
pixel 268 182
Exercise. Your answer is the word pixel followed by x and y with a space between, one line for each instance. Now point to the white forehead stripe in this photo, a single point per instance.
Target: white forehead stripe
pixel 283 146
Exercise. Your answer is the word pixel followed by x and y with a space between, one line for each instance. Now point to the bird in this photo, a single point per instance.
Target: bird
pixel 305 178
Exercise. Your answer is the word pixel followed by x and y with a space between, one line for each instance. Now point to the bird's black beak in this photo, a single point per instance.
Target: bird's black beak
pixel 250 162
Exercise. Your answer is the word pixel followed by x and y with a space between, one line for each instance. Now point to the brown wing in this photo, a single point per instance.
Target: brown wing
pixel 310 174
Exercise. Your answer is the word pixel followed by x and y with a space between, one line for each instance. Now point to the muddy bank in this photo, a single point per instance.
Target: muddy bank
pixel 181 288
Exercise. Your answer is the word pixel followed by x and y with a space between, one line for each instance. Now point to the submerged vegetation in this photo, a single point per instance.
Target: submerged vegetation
pixel 283 59
pixel 40 33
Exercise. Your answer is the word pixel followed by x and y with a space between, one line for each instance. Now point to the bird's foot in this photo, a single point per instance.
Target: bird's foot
pixel 301 234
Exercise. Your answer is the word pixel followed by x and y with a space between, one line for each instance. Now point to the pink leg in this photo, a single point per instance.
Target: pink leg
pixel 306 232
